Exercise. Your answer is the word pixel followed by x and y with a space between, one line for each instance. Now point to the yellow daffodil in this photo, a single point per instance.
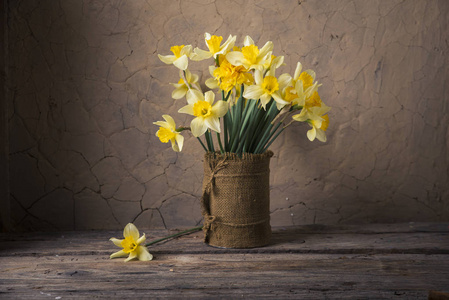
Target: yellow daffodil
pixel 206 112
pixel 182 87
pixel 264 89
pixel 131 245
pixel 318 120
pixel 229 76
pixel 213 43
pixel 180 57
pixel 167 132
pixel 307 77
pixel 250 56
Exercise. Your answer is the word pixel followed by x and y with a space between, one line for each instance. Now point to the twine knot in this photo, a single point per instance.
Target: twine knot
pixel 208 219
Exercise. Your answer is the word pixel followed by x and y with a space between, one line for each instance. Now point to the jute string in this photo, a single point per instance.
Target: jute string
pixel 208 219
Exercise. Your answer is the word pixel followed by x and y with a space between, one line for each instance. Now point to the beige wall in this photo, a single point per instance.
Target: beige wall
pixel 85 85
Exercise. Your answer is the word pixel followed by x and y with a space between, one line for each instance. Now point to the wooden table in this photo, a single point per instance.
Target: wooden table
pixel 395 261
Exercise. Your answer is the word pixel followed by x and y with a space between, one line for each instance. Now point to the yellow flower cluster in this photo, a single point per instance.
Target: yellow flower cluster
pixel 242 73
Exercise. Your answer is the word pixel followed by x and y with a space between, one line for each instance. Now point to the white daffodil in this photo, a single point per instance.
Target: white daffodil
pixel 206 112
pixel 264 89
pixel 250 56
pixel 167 132
pixel 131 245
pixel 180 57
pixel 213 43
pixel 182 87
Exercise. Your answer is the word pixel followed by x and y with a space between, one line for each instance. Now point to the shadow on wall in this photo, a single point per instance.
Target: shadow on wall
pixel 85 85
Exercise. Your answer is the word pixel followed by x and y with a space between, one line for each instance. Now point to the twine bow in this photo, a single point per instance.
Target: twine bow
pixel 208 219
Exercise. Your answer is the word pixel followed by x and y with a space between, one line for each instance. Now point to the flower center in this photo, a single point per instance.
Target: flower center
pixel 202 109
pixel 270 84
pixel 290 94
pixel 177 50
pixel 250 53
pixel 129 244
pixel 214 43
pixel 165 134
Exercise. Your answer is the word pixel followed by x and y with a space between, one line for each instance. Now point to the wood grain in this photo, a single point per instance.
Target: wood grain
pixel 372 262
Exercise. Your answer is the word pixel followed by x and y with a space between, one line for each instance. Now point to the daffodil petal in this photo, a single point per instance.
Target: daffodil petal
pixel 279 99
pixel 311 134
pixel 212 83
pixel 182 62
pixel 198 127
pixel 213 123
pixel 236 58
pixel 162 124
pixel 141 239
pixel 131 230
pixel 285 79
pixel 116 242
pixel 132 255
pixel 188 109
pixel 299 117
pixel 253 92
pixel 168 59
pixel 180 142
pixel 220 108
pixel 264 99
pixel 199 54
pixel 297 70
pixel 258 77
pixel 248 41
pixel 311 73
pixel 178 93
pixel 186 50
pixel 120 253
pixel 170 121
pixel 143 254
pixel 227 45
pixel 193 96
pixel 267 48
pixel 321 135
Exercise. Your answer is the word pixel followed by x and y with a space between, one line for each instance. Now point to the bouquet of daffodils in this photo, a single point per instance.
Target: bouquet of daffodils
pixel 255 106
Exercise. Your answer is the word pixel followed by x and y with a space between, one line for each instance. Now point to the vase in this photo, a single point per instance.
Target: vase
pixel 236 200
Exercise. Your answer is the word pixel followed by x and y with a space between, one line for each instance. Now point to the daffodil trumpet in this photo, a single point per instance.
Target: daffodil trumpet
pixel 256 105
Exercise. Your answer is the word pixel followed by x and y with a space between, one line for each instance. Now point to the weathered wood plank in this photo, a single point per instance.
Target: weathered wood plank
pixel 312 262
pixel 286 275
pixel 292 240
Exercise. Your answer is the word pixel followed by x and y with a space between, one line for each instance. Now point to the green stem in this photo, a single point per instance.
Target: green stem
pixel 201 142
pixel 219 143
pixel 225 129
pixel 194 229
pixel 210 142
pixel 272 140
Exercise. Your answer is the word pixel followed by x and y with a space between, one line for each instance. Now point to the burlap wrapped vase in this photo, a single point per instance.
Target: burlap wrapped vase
pixel 236 200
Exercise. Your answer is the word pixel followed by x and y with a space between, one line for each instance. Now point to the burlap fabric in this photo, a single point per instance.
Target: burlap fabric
pixel 236 200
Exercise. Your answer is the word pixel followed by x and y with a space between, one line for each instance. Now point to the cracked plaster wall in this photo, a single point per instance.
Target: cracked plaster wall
pixel 85 85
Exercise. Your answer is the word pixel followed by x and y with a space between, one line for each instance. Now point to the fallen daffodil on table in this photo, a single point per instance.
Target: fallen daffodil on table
pixel 132 245
pixel 256 105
